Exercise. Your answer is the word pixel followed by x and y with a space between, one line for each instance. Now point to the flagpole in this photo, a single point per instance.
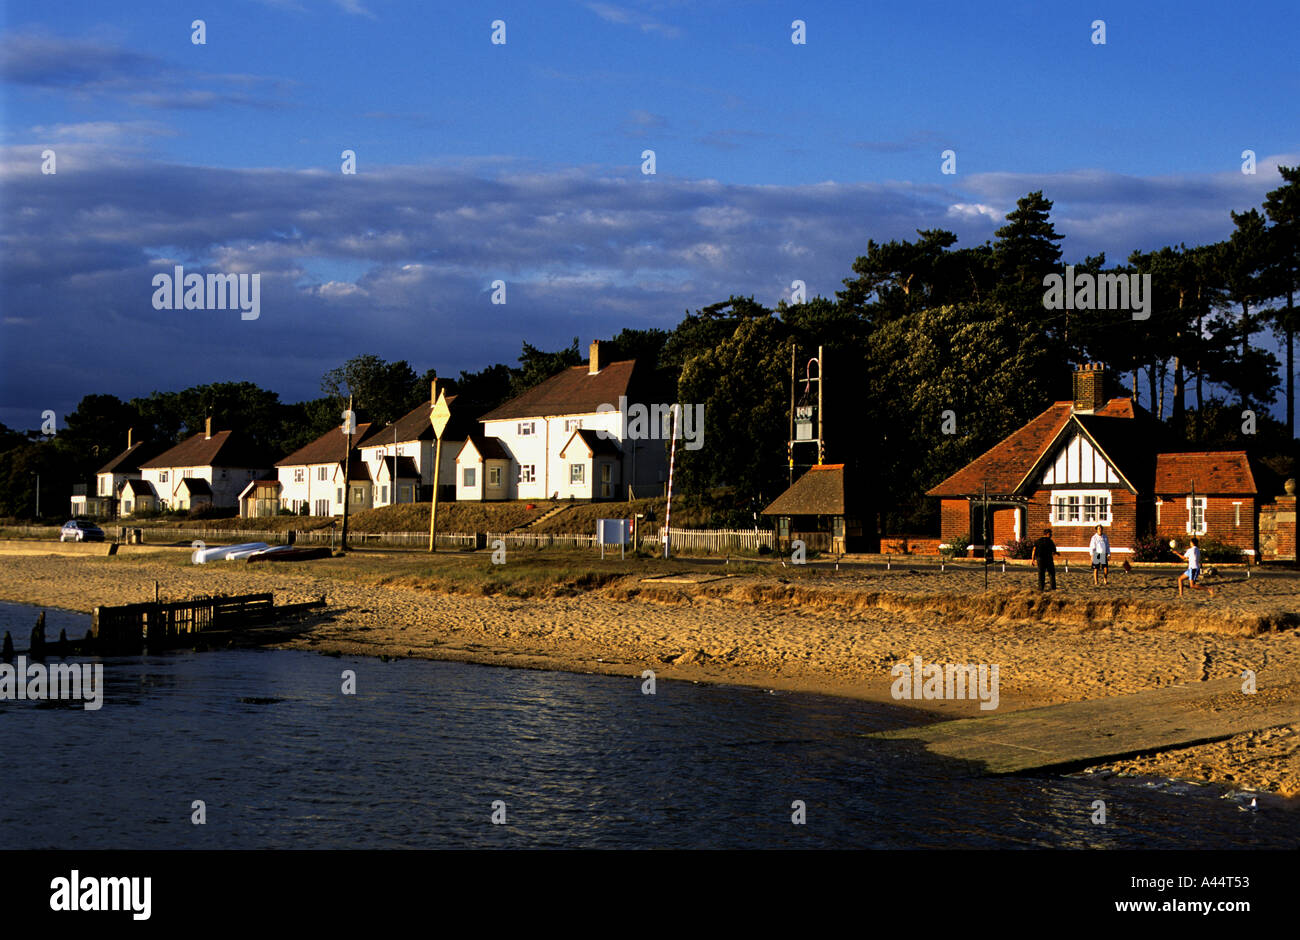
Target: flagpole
pixel 672 457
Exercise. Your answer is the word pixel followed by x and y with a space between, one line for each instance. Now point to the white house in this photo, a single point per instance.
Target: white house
pixel 536 431
pixel 411 438
pixel 482 469
pixel 312 476
pixel 224 460
pixel 110 478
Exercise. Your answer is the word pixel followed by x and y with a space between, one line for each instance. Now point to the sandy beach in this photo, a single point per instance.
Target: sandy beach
pixel 831 633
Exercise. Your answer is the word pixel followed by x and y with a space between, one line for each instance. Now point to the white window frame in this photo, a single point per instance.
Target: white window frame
pixel 469 476
pixel 572 424
pixel 323 473
pixel 493 476
pixel 1236 511
pixel 526 428
pixel 162 476
pixel 527 473
pixel 1202 504
pixel 577 473
pixel 299 474
pixel 1078 501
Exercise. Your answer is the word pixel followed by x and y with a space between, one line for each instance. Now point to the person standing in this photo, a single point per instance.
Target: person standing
pixel 1045 554
pixel 1099 550
pixel 1193 573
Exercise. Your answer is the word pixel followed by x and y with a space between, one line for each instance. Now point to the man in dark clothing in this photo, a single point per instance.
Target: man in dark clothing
pixel 1044 553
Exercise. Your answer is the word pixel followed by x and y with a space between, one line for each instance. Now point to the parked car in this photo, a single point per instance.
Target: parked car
pixel 76 530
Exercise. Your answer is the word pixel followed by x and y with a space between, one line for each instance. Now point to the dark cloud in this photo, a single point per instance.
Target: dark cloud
pixel 399 261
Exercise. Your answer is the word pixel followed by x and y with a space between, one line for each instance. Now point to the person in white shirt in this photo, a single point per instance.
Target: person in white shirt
pixel 1193 573
pixel 1099 549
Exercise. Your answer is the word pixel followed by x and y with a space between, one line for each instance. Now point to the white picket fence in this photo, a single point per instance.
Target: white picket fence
pixel 701 540
pixel 716 540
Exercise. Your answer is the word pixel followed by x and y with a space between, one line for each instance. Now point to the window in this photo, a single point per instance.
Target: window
pixel 525 428
pixel 406 493
pixel 1236 515
pixel 128 507
pixel 162 476
pixel 494 476
pixel 383 493
pixel 577 473
pixel 340 499
pixel 527 473
pixel 323 507
pixel 469 476
pixel 298 475
pixel 322 473
pixel 572 424
pixel 1196 515
pixel 358 494
pixel 1081 507
pixel 606 472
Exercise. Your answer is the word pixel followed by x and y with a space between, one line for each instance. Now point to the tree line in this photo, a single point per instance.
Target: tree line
pixel 921 327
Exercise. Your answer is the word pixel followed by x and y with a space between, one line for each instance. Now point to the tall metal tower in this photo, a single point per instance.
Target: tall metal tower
pixel 803 412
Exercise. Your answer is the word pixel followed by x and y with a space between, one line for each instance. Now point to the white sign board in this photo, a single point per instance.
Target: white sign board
pixel 614 531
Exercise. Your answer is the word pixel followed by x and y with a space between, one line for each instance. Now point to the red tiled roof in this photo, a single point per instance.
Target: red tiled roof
pixel 130 459
pixel 1004 465
pixel 1225 471
pixel 415 426
pixel 137 488
pixel 223 449
pixel 571 392
pixel 599 447
pixel 330 447
pixel 406 468
pixel 489 448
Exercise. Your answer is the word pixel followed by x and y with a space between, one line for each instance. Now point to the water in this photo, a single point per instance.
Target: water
pixel 417 757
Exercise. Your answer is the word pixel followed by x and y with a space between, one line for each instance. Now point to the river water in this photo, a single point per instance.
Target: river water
pixel 417 757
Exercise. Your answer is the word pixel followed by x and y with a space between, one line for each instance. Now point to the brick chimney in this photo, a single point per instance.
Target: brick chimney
pixel 593 364
pixel 1089 387
pixel 129 432
pixel 433 391
pixel 207 428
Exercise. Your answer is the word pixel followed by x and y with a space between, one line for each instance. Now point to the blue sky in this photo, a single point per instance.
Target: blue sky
pixel 477 161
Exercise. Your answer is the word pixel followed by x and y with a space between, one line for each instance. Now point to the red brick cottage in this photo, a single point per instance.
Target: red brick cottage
pixel 1096 461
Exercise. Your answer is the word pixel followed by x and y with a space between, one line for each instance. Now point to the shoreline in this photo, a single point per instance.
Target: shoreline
pixel 834 637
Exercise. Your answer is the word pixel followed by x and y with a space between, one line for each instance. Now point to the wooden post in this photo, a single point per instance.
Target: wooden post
pixel 433 512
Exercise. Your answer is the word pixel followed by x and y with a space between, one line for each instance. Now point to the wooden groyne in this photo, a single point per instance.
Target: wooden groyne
pixel 163 624
pixel 195 623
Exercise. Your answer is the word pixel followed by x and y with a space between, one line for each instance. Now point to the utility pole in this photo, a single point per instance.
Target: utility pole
pixel 38 497
pixel 349 428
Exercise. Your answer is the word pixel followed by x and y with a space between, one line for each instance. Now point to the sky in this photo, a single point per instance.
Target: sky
pixel 523 162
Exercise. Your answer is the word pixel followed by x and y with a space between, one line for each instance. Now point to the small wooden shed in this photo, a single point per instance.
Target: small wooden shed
pixel 820 510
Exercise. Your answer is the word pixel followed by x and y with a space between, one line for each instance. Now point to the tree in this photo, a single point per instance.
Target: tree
pixel 1282 206
pixel 742 383
pixel 382 391
pixel 974 360
pixel 536 365
pixel 1025 252
pixel 1243 263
